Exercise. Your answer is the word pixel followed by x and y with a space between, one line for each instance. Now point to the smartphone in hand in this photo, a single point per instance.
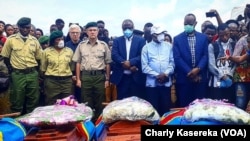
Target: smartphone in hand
pixel 210 14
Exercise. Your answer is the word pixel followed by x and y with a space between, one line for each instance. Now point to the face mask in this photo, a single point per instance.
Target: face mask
pixel 189 28
pixel 160 38
pixel 60 44
pixel 128 33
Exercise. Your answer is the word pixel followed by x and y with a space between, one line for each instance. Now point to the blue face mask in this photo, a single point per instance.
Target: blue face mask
pixel 189 28
pixel 127 33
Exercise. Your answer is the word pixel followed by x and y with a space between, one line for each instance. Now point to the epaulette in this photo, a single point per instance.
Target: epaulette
pixel 82 42
pixel 48 48
pixel 68 48
pixel 104 43
pixel 33 38
pixel 13 36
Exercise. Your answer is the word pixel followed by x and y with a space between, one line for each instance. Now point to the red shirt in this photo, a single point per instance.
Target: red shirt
pixel 3 38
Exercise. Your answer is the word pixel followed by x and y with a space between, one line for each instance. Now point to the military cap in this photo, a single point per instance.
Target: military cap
pixel 24 21
pixel 54 35
pixel 91 24
pixel 43 39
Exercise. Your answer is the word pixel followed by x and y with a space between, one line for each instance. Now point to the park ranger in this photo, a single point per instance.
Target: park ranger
pixel 93 60
pixel 22 52
pixel 57 67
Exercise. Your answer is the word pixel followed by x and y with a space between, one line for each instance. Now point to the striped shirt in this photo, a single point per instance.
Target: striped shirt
pixel 192 42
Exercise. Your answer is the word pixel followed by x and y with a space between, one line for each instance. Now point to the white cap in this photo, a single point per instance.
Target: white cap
pixel 157 30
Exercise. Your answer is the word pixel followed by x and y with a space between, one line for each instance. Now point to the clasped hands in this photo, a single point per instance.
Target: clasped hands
pixel 162 78
pixel 193 75
pixel 126 65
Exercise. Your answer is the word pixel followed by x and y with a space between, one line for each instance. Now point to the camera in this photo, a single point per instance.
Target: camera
pixel 210 14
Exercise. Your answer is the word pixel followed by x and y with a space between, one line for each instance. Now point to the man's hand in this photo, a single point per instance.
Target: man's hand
pixel 133 69
pixel 74 78
pixel 126 65
pixel 107 84
pixel 78 83
pixel 227 57
pixel 162 78
pixel 193 73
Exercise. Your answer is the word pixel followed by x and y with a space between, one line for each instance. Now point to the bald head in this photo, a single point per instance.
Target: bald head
pixel 190 19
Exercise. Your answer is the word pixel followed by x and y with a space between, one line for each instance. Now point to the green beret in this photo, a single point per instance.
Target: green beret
pixel 55 34
pixel 43 39
pixel 91 24
pixel 24 21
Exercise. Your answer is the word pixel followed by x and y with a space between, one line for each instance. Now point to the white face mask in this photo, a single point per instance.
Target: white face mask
pixel 60 44
pixel 160 37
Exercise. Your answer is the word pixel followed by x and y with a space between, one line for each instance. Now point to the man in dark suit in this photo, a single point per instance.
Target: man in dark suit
pixel 126 56
pixel 191 59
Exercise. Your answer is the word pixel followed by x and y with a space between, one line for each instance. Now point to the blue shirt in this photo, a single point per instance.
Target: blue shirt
pixel 72 45
pixel 157 58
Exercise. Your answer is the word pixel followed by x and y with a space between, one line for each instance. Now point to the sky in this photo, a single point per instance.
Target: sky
pixel 168 14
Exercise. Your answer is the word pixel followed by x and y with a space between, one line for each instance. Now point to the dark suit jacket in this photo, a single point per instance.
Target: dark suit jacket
pixel 183 60
pixel 119 55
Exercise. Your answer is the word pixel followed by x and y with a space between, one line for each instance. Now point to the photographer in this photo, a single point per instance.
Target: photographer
pixel 212 13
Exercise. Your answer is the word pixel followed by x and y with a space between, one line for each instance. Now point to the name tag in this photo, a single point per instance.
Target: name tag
pixel 32 45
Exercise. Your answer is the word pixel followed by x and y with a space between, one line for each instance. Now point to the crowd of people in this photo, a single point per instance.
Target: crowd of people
pixel 95 67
